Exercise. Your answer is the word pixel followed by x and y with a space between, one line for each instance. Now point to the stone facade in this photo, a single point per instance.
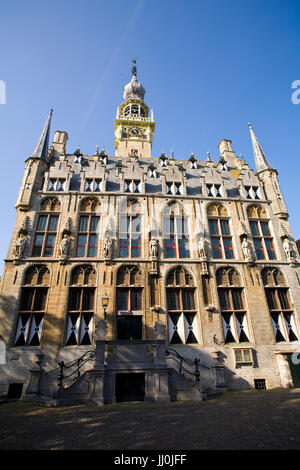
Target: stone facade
pixel 203 246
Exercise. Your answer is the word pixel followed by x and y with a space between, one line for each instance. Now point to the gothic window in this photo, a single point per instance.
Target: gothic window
pixel 88 229
pixel 182 315
pixel 46 229
pixel 93 185
pixel 130 232
pixel 219 229
pixel 279 304
pixel 56 184
pixel 32 306
pixel 260 230
pixel 233 312
pixel 129 294
pixel 213 190
pixel 175 233
pixel 81 302
pixel 132 186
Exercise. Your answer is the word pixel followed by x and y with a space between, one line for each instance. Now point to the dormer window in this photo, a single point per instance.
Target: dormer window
pixel 93 185
pixel 193 165
pixel 132 186
pixel 152 173
pixel 174 188
pixel 252 192
pixel 213 190
pixel 223 166
pixel 56 184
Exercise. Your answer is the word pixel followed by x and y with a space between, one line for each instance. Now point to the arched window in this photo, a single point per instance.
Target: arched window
pixel 219 229
pixel 262 239
pixel 183 328
pixel 175 232
pixel 32 306
pixel 130 231
pixel 88 229
pixel 279 304
pixel 46 229
pixel 129 303
pixel 81 306
pixel 232 305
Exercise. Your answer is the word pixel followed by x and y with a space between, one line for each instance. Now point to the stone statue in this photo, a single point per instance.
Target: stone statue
pixel 65 245
pixel 202 248
pixel 20 245
pixel 107 249
pixel 288 249
pixel 153 248
pixel 246 247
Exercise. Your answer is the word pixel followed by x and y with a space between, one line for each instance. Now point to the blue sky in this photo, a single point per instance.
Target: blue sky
pixel 209 67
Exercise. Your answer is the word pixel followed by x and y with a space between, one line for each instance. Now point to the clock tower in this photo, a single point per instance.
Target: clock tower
pixel 134 128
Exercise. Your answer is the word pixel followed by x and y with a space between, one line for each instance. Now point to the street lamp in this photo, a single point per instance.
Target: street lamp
pixel 105 300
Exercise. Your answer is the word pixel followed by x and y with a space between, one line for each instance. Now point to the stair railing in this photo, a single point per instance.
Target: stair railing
pixel 188 368
pixel 70 372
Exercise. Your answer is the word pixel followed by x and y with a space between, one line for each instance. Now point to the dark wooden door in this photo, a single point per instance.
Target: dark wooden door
pixel 130 387
pixel 295 368
pixel 129 327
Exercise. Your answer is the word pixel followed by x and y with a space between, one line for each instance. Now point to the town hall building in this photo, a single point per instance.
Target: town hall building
pixel 147 277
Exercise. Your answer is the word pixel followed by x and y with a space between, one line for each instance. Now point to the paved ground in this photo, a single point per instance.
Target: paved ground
pixel 237 420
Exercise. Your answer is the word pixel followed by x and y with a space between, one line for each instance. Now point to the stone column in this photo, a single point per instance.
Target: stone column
pixel 98 373
pixel 219 369
pixel 33 388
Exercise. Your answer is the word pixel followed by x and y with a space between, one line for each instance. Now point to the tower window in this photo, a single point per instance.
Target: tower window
pixel 134 110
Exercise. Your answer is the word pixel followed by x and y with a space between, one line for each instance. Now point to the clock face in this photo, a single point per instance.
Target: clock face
pixel 137 132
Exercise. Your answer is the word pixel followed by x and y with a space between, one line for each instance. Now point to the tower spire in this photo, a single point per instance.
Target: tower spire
pixel 41 150
pixel 261 161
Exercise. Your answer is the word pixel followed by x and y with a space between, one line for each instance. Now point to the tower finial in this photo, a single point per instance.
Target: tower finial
pixel 133 66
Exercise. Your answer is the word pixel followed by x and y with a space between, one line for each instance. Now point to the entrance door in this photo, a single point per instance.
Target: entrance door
pixel 129 327
pixel 295 370
pixel 130 387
